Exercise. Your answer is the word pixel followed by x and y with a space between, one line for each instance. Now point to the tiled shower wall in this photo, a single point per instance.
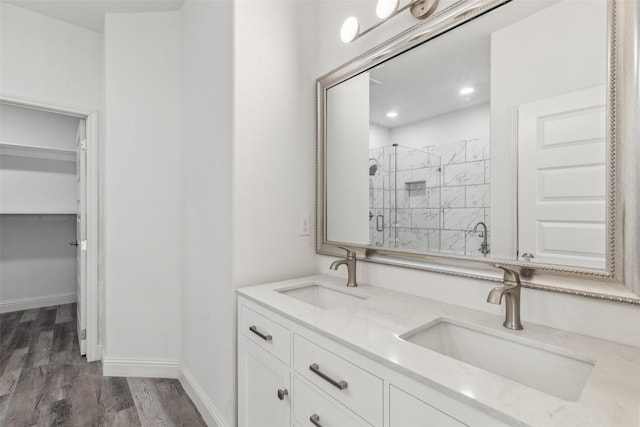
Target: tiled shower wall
pixel 443 191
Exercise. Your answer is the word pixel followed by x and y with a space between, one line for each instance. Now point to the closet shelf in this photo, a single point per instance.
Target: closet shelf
pixel 32 151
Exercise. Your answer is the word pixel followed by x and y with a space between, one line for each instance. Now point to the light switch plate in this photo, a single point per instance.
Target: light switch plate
pixel 304 225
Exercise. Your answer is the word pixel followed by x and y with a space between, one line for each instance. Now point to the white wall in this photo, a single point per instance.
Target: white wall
pixel 612 321
pixel 379 136
pixel 142 85
pixel 469 123
pixel 208 300
pixel 37 264
pixel 48 60
pixel 274 140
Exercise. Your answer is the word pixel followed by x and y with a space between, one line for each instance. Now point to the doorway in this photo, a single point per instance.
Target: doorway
pixel 81 213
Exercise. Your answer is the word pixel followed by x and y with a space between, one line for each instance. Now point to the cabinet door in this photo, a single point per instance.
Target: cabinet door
pixel 264 398
pixel 406 410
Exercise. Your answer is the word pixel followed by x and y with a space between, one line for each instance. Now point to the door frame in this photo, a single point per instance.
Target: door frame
pixel 92 206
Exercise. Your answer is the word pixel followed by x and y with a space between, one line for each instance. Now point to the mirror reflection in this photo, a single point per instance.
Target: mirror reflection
pixel 488 141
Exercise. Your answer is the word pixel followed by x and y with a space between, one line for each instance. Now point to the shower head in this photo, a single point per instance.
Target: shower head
pixel 373 168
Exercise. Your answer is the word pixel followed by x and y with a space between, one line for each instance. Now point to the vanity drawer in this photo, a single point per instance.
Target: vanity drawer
pixel 406 410
pixel 266 333
pixel 355 388
pixel 310 403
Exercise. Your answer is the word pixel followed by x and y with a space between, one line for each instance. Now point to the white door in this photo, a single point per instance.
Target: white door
pixel 561 179
pixel 81 233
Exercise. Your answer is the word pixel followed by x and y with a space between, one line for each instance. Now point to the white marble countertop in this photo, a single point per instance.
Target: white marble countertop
pixel 611 396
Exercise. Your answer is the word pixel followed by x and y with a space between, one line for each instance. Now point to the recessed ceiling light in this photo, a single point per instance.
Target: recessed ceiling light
pixel 466 90
pixel 392 114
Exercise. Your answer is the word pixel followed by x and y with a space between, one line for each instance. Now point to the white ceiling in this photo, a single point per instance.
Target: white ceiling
pixel 425 82
pixel 89 14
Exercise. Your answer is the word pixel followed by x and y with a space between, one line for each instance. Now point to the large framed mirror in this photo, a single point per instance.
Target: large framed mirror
pixel 494 132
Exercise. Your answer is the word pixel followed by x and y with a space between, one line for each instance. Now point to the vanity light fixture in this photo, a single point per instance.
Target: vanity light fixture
pixel 349 29
pixel 385 10
pixel 392 114
pixel 466 90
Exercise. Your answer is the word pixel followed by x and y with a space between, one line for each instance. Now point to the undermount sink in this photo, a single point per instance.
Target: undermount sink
pixel 321 296
pixel 541 366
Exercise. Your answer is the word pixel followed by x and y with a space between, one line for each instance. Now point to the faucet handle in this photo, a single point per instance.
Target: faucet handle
pixel 509 272
pixel 350 252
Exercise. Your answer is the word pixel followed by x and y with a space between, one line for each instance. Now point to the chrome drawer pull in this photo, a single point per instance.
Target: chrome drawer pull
pixel 315 420
pixel 316 370
pixel 254 329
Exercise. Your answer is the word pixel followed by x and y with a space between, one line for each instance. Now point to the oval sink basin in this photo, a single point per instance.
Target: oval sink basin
pixel 547 368
pixel 321 297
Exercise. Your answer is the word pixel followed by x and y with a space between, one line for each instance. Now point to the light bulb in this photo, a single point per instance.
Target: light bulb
pixel 392 114
pixel 466 91
pixel 349 30
pixel 385 8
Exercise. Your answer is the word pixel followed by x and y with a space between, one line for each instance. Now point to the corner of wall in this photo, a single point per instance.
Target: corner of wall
pixel 199 397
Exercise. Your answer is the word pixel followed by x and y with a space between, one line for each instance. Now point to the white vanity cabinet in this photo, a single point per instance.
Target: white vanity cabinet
pixel 263 388
pixel 264 381
pixel 328 384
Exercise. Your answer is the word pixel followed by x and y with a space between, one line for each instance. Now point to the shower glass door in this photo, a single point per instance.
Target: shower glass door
pixel 405 189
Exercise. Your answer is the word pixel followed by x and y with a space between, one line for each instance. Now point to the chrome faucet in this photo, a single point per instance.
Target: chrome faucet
pixel 484 246
pixel 350 262
pixel 511 291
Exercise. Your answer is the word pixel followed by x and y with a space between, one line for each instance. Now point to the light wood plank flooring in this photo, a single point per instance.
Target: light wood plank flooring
pixel 45 382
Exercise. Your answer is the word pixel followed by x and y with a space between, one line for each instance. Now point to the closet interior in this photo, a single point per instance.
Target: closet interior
pixel 38 208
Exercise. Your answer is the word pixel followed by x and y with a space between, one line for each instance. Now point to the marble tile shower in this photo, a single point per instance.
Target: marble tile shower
pixel 430 199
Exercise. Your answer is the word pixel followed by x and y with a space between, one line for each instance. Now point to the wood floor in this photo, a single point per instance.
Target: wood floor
pixel 45 382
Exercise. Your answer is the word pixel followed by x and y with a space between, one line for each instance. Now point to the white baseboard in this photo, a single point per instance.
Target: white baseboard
pixel 37 302
pixel 112 367
pixel 207 409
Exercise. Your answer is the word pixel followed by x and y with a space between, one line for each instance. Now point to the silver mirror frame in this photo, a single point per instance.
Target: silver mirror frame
pixel 620 280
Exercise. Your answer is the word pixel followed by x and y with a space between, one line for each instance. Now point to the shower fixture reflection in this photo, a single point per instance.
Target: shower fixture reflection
pixel 373 168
